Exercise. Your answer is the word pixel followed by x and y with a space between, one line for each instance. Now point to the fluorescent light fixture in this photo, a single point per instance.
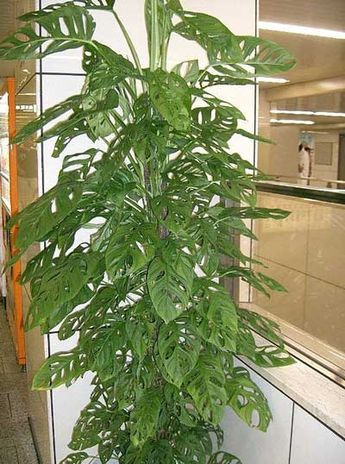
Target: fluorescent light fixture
pixel 273 80
pixel 314 132
pixel 291 121
pixel 309 113
pixel 303 30
pixel 332 114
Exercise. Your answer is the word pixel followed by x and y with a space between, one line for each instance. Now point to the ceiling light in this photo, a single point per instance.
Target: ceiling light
pixel 303 30
pixel 332 114
pixel 273 80
pixel 291 112
pixel 314 132
pixel 291 121
pixel 310 113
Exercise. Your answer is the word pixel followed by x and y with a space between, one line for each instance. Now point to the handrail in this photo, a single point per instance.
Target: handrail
pixel 301 191
pixel 318 179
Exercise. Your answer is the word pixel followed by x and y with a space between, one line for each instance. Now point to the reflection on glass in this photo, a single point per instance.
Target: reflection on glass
pixel 26 152
pixel 4 151
pixel 305 253
pixel 303 112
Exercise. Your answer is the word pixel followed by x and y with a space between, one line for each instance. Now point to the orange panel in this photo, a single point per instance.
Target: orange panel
pixel 18 328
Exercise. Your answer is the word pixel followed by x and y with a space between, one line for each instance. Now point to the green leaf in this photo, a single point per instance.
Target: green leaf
pixel 206 385
pixel 272 356
pixel 106 347
pixel 69 26
pixel 75 458
pixel 193 445
pixel 219 321
pixel 39 218
pixel 89 426
pixel 96 4
pixel 139 333
pixel 265 56
pixel 153 452
pixel 262 325
pixel 127 251
pixel 59 369
pixel 224 48
pixel 223 458
pixel 144 417
pixel 247 400
pixel 272 284
pixel 99 107
pixel 178 347
pixel 170 282
pixel 188 70
pixel 250 135
pixel 59 284
pixel 171 96
pixel 46 117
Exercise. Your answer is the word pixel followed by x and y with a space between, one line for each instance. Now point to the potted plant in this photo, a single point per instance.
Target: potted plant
pixel 156 326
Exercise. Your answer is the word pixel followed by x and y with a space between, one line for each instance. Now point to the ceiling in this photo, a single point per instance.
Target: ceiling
pixel 327 14
pixel 317 59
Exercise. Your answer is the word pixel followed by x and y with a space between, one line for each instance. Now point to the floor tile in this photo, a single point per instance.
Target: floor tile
pixel 16 443
pixel 8 455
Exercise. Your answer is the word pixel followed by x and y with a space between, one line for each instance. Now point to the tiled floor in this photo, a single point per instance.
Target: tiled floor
pixel 16 444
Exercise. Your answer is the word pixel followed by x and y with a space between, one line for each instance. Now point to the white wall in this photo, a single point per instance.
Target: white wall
pixel 294 436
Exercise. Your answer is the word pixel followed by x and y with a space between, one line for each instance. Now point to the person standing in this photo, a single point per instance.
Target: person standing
pixel 303 164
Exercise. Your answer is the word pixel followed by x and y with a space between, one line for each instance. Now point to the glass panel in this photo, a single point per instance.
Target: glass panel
pixel 305 253
pixel 303 112
pixel 27 151
pixel 4 151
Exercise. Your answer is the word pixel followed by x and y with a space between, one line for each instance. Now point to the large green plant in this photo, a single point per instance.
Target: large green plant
pixel 155 325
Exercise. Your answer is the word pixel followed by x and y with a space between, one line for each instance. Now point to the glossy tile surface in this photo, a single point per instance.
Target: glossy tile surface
pixel 314 443
pixel 305 252
pixel 325 312
pixel 253 446
pixel 286 241
pixel 287 306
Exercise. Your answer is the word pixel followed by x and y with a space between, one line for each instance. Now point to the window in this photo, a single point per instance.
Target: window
pixel 303 111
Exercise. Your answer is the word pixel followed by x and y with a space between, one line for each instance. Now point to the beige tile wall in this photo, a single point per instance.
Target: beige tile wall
pixel 305 252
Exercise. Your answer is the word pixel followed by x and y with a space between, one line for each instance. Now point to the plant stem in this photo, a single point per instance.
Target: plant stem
pixel 129 43
pixel 155 37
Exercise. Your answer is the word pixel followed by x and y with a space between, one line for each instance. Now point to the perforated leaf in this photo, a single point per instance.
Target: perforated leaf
pixel 247 400
pixel 75 458
pixel 218 324
pixel 224 47
pixel 61 282
pixel 45 213
pixel 96 4
pixel 206 385
pixel 224 458
pixel 170 285
pixel 171 96
pixel 59 369
pixel 89 426
pixel 144 417
pixel 64 27
pixel 179 348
